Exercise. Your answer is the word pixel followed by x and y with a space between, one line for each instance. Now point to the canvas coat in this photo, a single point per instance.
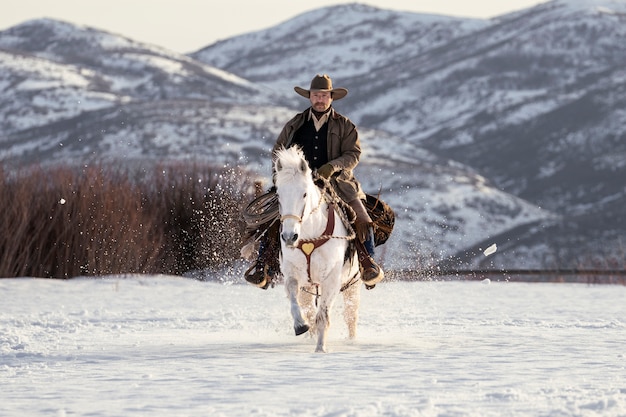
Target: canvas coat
pixel 344 151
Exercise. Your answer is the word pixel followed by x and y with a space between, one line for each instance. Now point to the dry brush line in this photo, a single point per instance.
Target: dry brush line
pixel 63 223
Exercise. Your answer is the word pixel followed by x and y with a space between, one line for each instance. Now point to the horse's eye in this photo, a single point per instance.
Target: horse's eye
pixel 304 196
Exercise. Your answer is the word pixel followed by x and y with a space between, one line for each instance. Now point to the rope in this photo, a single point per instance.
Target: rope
pixel 350 283
pixel 261 210
pixel 316 294
pixel 331 196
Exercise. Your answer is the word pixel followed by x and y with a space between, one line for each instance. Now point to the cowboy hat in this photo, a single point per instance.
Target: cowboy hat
pixel 322 83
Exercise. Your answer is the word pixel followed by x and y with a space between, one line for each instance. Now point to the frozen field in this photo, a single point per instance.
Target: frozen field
pixel 163 346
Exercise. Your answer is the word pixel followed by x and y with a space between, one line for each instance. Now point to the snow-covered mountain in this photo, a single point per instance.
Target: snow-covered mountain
pixel 533 100
pixel 56 70
pixel 345 41
pixel 127 67
pixel 477 132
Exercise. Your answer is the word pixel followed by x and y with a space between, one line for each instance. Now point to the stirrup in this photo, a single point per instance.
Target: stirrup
pixel 370 282
pixel 366 263
pixel 258 277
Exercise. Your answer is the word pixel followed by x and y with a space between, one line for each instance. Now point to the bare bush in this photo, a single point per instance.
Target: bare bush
pixel 64 222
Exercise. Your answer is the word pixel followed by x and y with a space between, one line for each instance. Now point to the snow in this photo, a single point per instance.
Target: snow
pixel 400 34
pixel 490 250
pixel 45 74
pixel 158 345
pixel 53 91
pixel 600 5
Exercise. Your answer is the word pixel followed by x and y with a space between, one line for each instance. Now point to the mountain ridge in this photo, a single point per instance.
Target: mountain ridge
pixel 464 122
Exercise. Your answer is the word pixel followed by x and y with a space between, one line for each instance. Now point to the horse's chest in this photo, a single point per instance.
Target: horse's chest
pixel 313 264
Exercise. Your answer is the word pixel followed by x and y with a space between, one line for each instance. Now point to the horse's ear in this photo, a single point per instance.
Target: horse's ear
pixel 303 165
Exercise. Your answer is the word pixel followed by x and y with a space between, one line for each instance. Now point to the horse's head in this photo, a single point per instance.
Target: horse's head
pixel 295 189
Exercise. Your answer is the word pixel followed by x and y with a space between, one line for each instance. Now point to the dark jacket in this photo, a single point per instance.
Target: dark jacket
pixel 344 150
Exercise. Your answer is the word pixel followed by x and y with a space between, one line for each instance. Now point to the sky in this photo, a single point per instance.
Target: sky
pixel 188 25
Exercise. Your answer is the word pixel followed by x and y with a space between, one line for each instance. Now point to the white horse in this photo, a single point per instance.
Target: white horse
pixel 317 261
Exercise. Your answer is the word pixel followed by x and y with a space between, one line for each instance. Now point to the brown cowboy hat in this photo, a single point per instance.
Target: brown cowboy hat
pixel 322 83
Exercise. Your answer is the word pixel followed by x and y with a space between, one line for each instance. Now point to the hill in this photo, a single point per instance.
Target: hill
pixel 504 131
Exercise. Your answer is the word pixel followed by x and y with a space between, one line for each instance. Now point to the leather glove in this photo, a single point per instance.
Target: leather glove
pixel 326 171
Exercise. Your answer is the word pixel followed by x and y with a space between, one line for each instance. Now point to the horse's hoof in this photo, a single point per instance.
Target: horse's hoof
pixel 301 329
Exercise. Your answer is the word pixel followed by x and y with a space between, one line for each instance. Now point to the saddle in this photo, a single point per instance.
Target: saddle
pixel 383 218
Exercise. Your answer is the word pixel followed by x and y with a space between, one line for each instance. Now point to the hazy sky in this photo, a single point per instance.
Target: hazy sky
pixel 188 25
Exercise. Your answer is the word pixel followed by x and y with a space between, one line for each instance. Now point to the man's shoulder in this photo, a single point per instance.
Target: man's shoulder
pixel 298 116
pixel 294 123
pixel 341 118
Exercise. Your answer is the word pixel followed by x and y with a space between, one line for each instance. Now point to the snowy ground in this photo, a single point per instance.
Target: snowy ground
pixel 152 346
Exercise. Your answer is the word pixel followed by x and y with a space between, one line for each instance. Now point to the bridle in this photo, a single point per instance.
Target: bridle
pixel 299 219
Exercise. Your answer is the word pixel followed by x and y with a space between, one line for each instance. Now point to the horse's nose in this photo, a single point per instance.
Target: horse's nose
pixel 289 238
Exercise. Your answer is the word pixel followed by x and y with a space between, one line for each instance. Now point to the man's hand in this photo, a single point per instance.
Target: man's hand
pixel 326 171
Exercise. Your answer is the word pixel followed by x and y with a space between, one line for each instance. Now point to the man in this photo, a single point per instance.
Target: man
pixel 331 146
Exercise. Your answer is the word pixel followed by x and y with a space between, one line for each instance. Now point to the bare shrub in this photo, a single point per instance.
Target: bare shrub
pixel 64 222
pixel 202 220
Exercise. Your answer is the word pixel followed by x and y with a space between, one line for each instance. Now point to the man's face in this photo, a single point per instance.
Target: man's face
pixel 320 100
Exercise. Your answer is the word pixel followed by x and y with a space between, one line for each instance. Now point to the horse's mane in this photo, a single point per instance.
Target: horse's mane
pixel 291 161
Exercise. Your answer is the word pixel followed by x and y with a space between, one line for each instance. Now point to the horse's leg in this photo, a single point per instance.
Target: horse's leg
pixel 299 324
pixel 351 300
pixel 322 323
pixel 329 290
pixel 306 300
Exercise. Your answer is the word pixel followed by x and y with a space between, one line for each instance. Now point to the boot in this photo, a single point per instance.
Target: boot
pixel 258 275
pixel 371 273
pixel 264 270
